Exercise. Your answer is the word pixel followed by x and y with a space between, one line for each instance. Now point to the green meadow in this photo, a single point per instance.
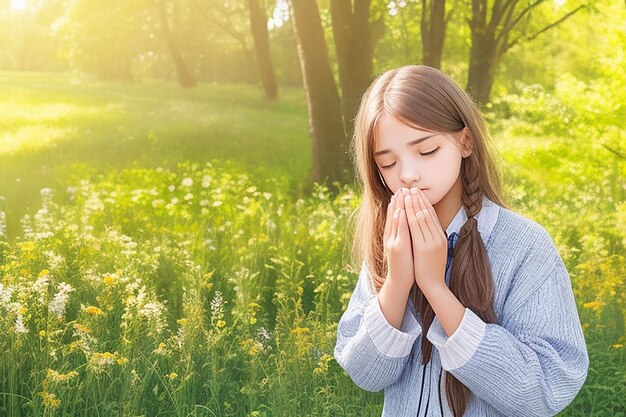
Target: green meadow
pixel 159 257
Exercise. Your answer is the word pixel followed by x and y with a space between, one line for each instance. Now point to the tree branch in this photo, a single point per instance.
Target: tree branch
pixel 550 26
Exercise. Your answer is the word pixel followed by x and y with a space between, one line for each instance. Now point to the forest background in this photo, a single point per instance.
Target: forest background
pixel 175 193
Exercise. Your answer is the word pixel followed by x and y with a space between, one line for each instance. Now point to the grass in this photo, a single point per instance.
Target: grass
pixel 170 267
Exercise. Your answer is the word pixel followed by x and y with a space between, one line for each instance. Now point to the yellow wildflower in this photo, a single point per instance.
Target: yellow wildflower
pixel 122 361
pixel 252 320
pixel 172 376
pixel 55 376
pixel 23 310
pixel 595 305
pixel 300 330
pixel 82 328
pixel 27 247
pixel 181 322
pixel 42 333
pixel 300 291
pixel 49 399
pixel 93 310
pixel 43 273
pixel 322 364
pixel 221 323
pixel 160 350
pixel 617 346
pixel 108 280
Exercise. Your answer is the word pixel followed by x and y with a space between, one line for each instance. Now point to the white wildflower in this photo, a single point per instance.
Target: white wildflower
pixel 58 303
pixel 19 324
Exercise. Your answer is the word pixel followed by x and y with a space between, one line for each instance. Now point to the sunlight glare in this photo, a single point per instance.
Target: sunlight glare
pixel 18 5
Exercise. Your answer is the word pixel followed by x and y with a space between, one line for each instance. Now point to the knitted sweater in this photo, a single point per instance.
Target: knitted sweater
pixel 533 362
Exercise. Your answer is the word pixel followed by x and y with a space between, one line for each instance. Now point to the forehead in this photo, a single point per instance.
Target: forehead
pixel 392 132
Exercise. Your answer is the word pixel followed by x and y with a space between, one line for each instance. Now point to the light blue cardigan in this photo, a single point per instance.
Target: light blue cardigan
pixel 532 363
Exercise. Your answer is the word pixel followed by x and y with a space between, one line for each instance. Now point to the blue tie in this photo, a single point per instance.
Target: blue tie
pixel 451 242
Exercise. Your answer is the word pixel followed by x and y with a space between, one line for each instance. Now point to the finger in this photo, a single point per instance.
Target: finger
pixel 394 224
pixel 430 208
pixel 414 228
pixel 416 208
pixel 390 209
pixel 401 223
pixel 423 216
pixel 400 200
pixel 432 220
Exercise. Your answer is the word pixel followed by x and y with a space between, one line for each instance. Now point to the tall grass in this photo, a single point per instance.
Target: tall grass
pixel 150 276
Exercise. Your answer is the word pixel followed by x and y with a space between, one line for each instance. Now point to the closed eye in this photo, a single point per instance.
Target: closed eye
pixel 423 154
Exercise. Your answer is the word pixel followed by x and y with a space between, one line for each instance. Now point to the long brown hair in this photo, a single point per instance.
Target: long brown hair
pixel 426 98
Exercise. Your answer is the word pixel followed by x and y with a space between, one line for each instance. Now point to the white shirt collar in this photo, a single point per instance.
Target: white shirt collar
pixel 486 218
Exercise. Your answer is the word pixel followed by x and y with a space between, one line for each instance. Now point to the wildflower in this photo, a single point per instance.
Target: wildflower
pixel 58 303
pixel 109 280
pixel 217 203
pixel 19 324
pixel 216 303
pixel 172 376
pixel 27 246
pixel 93 311
pixel 44 273
pixel 617 346
pixel 188 197
pixel 122 361
pixel 54 376
pixel 181 322
pixel 49 400
pixel 161 350
pixel 42 333
pixel 595 305
pixel 300 330
pixel 221 323
pixel 322 364
pixel 82 328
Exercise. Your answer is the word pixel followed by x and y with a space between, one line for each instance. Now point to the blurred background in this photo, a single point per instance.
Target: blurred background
pixel 176 192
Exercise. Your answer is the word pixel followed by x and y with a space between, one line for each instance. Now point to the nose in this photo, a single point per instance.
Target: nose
pixel 409 174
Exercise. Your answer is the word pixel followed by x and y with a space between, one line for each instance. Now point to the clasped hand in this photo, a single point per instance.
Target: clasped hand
pixel 414 241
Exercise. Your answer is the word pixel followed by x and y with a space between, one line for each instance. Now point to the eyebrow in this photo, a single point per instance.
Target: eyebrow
pixel 414 142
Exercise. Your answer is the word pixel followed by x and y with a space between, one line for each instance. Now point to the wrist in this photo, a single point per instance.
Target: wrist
pixel 435 290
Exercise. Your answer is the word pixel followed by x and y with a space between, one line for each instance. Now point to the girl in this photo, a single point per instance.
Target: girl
pixel 446 263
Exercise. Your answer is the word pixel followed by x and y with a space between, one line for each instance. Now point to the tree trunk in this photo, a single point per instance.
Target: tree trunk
pixel 490 39
pixel 186 78
pixel 331 161
pixel 482 68
pixel 433 30
pixel 260 34
pixel 353 42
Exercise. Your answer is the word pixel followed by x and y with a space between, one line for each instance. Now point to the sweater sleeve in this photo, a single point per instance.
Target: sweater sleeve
pixel 368 348
pixel 534 362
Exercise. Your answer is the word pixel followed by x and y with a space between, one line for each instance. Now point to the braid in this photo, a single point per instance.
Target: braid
pixel 471 279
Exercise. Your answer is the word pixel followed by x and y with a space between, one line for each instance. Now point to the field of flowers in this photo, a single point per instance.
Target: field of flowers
pixel 204 289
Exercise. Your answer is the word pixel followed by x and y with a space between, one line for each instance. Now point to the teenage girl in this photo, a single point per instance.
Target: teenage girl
pixel 446 264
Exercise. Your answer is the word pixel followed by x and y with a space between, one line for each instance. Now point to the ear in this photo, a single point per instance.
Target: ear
pixel 466 143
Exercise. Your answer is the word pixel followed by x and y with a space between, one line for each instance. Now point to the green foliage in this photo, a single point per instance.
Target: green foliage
pixel 140 285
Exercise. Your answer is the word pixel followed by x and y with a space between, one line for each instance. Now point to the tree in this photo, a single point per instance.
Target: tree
pixel 329 141
pixel 260 34
pixel 186 78
pixel 491 39
pixel 433 29
pixel 354 45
